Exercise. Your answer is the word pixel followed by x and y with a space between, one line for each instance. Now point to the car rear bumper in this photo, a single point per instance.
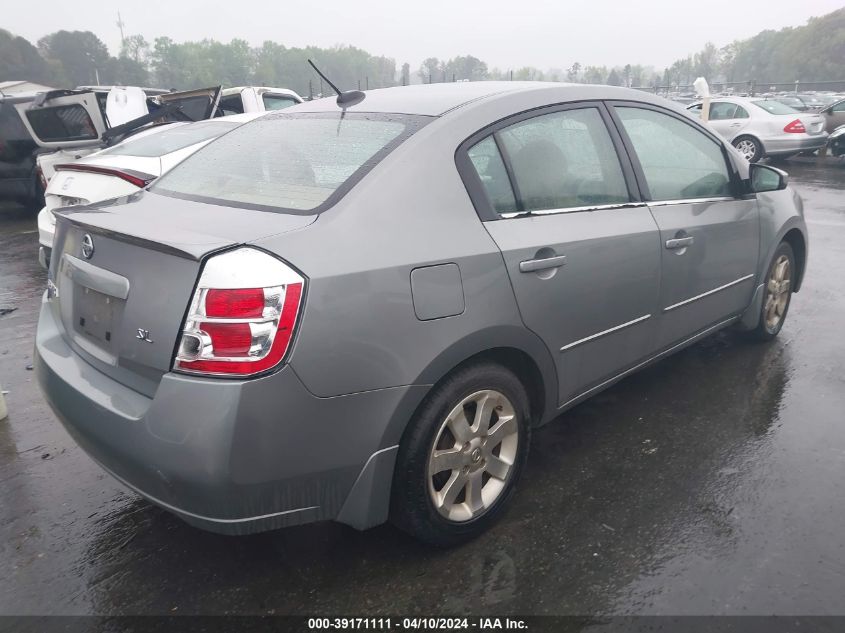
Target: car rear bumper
pixel 230 456
pixel 800 143
pixel 46 228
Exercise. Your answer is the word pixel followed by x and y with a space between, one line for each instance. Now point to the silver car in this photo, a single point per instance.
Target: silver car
pixel 760 127
pixel 361 312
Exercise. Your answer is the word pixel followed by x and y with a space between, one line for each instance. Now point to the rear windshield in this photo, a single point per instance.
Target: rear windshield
pixel 300 162
pixel 62 123
pixel 774 107
pixel 170 139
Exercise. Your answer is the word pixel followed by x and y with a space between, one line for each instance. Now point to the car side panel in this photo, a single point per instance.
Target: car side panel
pixel 359 330
pixel 780 213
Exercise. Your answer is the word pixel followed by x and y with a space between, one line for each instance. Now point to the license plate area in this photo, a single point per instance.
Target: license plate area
pixel 94 316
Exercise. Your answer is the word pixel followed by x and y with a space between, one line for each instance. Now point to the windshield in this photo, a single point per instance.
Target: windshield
pixel 291 162
pixel 172 138
pixel 774 107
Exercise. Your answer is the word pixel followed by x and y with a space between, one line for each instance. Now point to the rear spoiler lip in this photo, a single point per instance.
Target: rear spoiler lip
pixel 66 213
pixel 138 178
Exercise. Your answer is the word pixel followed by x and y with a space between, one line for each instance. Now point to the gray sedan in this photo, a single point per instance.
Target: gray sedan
pixel 760 127
pixel 359 313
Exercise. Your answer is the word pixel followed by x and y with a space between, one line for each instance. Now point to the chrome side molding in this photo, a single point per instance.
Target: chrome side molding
pixel 605 332
pixel 708 293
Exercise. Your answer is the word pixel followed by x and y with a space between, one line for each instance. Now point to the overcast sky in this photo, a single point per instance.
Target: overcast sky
pixel 504 33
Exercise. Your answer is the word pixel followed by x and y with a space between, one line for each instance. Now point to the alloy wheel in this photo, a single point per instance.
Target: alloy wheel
pixel 747 148
pixel 473 455
pixel 777 293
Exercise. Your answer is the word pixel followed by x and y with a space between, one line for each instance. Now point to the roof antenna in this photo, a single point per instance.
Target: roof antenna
pixel 344 99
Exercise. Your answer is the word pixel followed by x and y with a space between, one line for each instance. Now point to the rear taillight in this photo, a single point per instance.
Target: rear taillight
pixel 41 179
pixel 242 315
pixel 137 178
pixel 795 127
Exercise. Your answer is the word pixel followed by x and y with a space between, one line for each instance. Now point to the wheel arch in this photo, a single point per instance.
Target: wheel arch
pixel 797 240
pixel 514 347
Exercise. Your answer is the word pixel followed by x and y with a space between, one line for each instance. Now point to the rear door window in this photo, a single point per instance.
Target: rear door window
pixel 720 110
pixel 561 160
pixel 300 162
pixel 564 159
pixel 490 167
pixel 62 123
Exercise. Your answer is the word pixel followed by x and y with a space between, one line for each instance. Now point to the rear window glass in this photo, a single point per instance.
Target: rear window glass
pixel 172 138
pixel 62 123
pixel 289 162
pixel 277 102
pixel 774 107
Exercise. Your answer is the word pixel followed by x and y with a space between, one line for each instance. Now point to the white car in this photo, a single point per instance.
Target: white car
pixel 256 99
pixel 126 167
pixel 760 127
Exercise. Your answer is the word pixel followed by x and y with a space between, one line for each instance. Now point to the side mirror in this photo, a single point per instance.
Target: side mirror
pixel 765 178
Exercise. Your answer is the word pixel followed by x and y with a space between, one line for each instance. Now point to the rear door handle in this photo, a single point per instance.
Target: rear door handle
pixel 680 242
pixel 533 265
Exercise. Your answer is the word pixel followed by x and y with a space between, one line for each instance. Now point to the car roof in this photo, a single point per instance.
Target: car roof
pixel 438 99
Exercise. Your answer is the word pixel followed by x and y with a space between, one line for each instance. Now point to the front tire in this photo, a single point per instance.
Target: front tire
pixel 462 455
pixel 778 294
pixel 749 147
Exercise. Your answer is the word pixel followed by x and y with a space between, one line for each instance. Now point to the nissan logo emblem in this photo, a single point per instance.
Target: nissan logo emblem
pixel 87 247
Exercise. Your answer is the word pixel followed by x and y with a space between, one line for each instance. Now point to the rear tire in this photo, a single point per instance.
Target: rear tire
pixel 777 294
pixel 749 147
pixel 462 455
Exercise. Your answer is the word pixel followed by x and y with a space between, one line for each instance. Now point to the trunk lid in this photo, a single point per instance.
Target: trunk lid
pixel 121 305
pixel 813 123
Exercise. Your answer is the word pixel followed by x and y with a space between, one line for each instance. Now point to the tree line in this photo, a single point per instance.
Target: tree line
pixel 813 52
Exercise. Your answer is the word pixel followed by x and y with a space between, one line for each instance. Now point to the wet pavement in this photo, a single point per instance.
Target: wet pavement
pixel 711 483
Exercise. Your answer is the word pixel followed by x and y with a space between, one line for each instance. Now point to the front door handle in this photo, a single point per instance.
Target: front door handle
pixel 680 242
pixel 533 265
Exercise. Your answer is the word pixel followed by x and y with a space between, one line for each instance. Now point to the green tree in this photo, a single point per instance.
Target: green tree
pixel 572 72
pixel 20 60
pixel 136 48
pixel 80 54
pixel 466 67
pixel 613 78
pixel 431 70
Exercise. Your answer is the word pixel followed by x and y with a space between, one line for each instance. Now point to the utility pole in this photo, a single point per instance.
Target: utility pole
pixel 120 25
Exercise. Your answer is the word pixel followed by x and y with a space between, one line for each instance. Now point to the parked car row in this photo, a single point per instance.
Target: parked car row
pixel 41 129
pixel 126 167
pixel 760 127
pixel 358 309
